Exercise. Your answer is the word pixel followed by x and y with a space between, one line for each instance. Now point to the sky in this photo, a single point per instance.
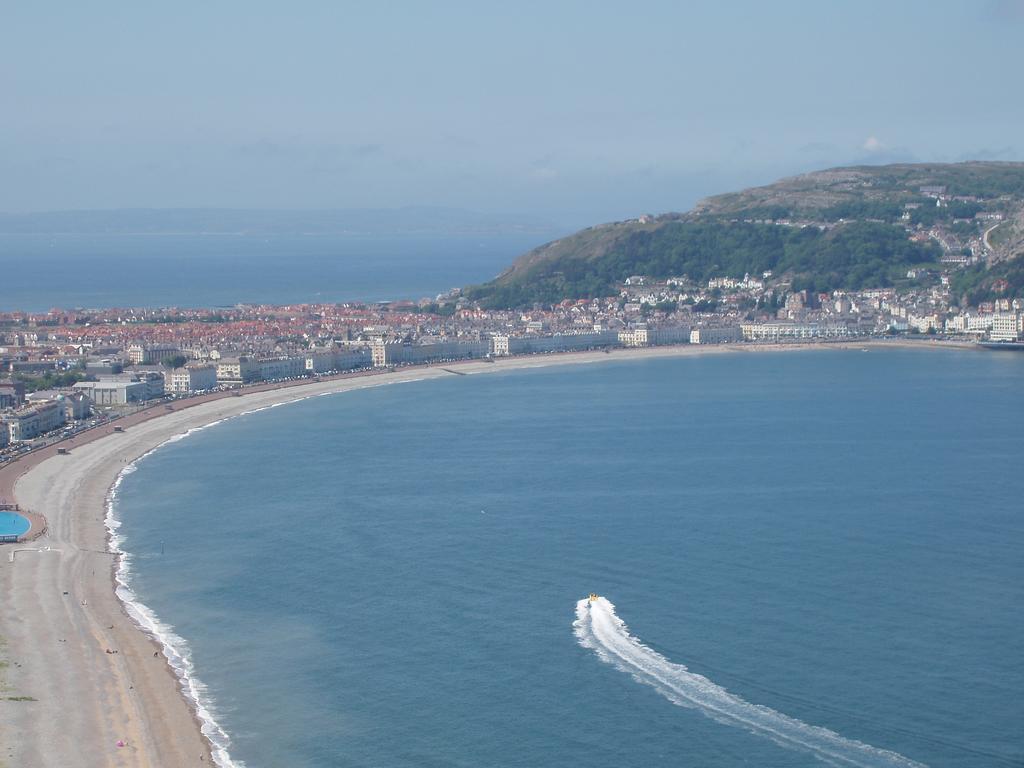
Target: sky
pixel 579 112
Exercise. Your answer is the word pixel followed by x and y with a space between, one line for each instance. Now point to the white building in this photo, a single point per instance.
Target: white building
pixel 147 354
pixel 337 360
pixel 244 370
pixel 793 331
pixel 979 323
pixel 560 342
pixel 192 378
pixel 956 324
pixel 124 389
pixel 237 370
pixel 272 368
pixel 33 420
pixel 633 337
pixel 924 323
pixel 110 392
pixel 396 353
pixel 716 335
pixel 1006 326
pixel 642 336
pixel 499 345
pixel 973 323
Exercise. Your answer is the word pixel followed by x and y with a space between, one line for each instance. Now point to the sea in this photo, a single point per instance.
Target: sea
pixel 41 272
pixel 797 558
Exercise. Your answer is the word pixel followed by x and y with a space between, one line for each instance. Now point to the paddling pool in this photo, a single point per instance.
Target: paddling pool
pixel 14 524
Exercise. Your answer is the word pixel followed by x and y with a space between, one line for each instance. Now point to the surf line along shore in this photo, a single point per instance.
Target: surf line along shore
pixel 83 684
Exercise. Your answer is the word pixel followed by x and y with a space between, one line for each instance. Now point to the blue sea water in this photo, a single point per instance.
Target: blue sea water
pixel 96 271
pixel 391 577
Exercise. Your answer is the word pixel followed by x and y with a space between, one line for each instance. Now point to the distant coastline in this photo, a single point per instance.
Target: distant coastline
pixel 412 220
pixel 122 269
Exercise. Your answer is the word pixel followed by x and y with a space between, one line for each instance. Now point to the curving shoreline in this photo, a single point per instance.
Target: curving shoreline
pixel 174 649
pixel 86 699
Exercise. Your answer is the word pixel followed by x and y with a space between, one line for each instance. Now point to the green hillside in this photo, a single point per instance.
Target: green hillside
pixel 1004 280
pixel 839 229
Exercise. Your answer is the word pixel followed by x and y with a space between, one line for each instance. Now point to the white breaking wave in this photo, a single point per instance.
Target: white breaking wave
pixel 175 648
pixel 598 627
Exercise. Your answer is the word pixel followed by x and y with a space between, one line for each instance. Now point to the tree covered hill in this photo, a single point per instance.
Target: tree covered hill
pixel 847 228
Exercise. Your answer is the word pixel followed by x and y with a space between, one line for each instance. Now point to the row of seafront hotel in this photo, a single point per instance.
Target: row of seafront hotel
pixel 111 389
pixel 498 345
pixel 25 418
pixel 388 353
pixel 381 353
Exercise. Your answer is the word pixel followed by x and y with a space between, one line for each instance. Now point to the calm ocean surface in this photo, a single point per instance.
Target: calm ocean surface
pixel 222 270
pixel 390 577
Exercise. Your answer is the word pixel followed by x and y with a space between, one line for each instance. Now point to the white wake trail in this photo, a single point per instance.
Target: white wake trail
pixel 598 627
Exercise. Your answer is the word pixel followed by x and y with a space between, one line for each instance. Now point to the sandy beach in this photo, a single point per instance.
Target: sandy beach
pixel 79 677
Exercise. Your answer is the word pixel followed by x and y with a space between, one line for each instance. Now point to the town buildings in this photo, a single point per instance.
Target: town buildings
pixel 148 354
pixel 100 356
pixel 715 334
pixel 237 370
pixel 657 337
pixel 123 389
pixel 339 359
pixel 532 344
pixel 193 377
pixel 12 394
pixel 1006 326
pixel 386 353
pixel 33 420
pixel 778 332
pixel 77 405
pixel 246 370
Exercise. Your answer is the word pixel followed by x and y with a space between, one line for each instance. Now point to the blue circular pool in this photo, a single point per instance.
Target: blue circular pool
pixel 13 523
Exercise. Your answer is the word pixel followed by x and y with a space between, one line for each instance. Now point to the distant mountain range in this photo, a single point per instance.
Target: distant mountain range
pixel 398 221
pixel 843 228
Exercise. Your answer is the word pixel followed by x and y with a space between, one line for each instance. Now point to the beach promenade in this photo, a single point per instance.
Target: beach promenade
pixel 82 684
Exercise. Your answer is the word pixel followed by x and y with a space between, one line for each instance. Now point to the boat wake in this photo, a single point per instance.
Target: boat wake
pixel 598 628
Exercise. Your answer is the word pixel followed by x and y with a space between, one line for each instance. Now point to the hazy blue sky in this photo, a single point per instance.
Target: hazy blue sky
pixel 579 111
